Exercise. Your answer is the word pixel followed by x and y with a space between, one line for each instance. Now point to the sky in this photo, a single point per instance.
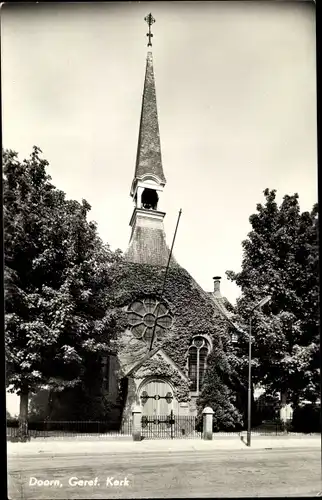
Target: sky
pixel 236 96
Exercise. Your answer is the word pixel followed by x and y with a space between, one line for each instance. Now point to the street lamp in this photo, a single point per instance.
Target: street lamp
pixel 258 306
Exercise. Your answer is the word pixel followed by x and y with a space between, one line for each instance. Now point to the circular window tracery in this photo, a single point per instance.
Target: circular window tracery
pixel 144 314
pixel 200 342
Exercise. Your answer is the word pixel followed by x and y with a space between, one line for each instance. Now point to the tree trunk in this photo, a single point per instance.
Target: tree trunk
pixel 23 416
pixel 49 409
pixel 283 409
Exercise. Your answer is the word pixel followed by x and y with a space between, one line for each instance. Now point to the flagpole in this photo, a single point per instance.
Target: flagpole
pixel 165 277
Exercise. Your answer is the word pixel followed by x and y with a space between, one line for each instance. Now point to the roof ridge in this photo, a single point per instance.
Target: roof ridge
pixel 219 301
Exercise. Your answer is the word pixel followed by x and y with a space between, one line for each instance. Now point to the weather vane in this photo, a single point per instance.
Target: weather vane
pixel 150 20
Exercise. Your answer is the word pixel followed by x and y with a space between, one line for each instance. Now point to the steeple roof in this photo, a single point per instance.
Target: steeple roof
pixel 149 159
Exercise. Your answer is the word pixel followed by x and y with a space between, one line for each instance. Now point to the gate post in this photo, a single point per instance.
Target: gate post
pixel 207 417
pixel 136 423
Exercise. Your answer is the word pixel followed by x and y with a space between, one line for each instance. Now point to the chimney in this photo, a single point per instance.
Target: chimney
pixel 217 285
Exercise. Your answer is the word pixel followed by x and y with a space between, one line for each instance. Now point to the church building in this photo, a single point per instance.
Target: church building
pixel 160 359
pixel 173 324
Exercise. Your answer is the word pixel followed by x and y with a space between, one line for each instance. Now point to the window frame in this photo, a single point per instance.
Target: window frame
pixel 206 344
pixel 159 317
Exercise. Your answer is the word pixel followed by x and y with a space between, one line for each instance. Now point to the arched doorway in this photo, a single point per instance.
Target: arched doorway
pixel 161 418
pixel 157 397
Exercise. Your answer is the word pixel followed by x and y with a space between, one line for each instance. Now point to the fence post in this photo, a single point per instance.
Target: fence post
pixel 207 417
pixel 136 423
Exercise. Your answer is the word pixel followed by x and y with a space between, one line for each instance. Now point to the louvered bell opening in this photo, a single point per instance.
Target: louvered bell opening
pixel 150 199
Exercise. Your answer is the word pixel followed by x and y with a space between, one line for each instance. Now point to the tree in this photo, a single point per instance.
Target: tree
pixel 58 310
pixel 281 259
pixel 219 391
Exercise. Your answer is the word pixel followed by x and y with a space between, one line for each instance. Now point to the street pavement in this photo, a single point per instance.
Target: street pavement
pixel 65 446
pixel 164 468
pixel 167 474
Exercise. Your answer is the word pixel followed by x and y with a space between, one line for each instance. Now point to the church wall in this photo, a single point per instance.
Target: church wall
pixel 193 314
pixel 192 310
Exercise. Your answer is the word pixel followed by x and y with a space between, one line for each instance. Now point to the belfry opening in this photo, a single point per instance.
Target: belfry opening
pixel 149 199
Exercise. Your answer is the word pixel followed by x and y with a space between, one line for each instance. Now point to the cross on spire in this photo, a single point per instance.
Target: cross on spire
pixel 150 20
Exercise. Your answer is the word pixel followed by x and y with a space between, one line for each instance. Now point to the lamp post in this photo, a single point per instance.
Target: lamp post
pixel 249 409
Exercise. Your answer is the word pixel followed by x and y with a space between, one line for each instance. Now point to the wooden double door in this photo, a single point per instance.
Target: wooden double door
pixel 160 413
pixel 157 398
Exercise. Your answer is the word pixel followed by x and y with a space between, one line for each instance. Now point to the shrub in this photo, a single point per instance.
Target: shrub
pixel 307 419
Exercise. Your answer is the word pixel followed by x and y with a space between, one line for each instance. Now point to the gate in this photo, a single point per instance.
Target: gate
pixel 169 427
pixel 160 419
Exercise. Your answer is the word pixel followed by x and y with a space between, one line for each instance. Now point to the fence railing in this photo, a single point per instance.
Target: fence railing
pixel 71 429
pixel 104 429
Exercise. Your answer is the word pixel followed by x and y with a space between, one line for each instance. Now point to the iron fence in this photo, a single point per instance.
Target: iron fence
pixel 152 427
pixel 56 429
pixel 269 428
pixel 170 427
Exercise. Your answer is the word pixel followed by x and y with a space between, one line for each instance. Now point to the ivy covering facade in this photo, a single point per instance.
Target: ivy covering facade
pixel 193 312
pixel 192 309
pixel 158 367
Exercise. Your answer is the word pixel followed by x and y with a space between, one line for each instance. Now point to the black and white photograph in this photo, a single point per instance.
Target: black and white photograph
pixel 161 249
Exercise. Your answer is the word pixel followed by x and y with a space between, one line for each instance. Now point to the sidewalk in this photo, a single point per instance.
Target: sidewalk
pixel 76 447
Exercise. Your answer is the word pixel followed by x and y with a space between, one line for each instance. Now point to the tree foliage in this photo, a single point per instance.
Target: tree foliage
pixel 281 259
pixel 219 392
pixel 58 308
pixel 223 389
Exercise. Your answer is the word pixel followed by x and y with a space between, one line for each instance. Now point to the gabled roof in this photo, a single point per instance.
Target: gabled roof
pixel 149 160
pixel 220 303
pixel 167 359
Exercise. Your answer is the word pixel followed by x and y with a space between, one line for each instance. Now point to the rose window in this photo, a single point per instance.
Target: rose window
pixel 145 314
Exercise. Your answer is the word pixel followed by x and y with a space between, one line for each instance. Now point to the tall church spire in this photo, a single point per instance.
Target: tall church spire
pixel 149 158
pixel 147 243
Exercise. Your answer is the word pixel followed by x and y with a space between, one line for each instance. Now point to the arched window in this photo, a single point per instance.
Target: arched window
pixel 197 362
pixel 145 315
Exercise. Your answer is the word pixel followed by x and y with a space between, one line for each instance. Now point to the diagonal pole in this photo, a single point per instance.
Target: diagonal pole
pixel 164 280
